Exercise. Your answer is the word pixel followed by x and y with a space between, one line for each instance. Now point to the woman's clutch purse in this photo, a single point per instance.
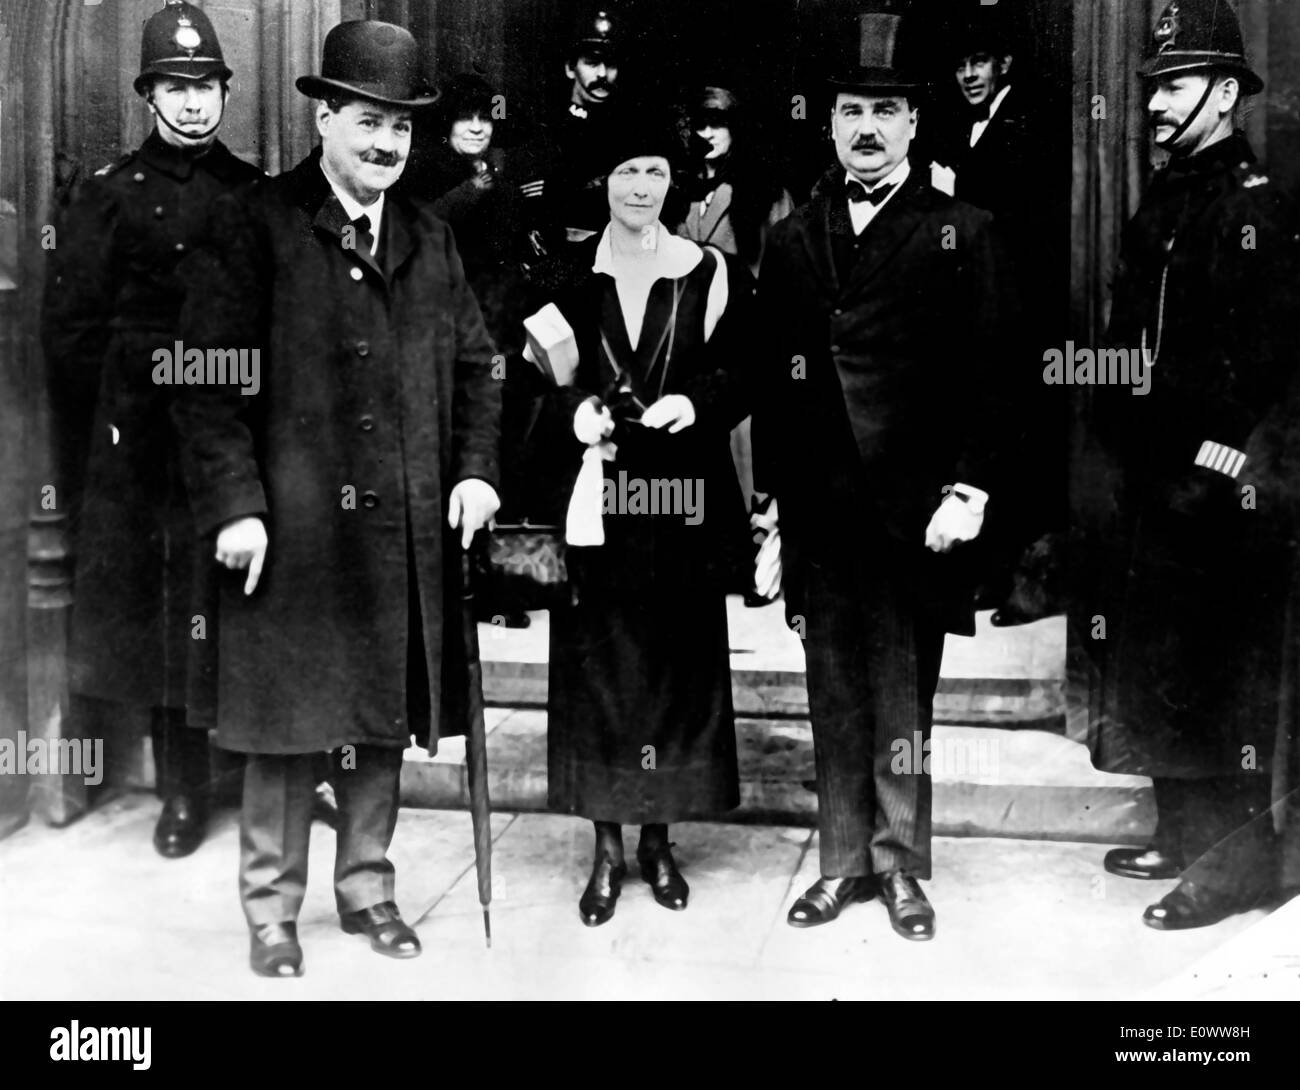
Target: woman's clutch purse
pixel 552 347
pixel 521 567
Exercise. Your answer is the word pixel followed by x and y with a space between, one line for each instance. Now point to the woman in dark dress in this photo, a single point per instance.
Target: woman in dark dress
pixel 641 727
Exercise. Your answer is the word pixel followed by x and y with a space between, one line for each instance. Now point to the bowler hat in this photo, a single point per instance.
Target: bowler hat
pixel 376 61
pixel 1195 35
pixel 179 41
pixel 880 67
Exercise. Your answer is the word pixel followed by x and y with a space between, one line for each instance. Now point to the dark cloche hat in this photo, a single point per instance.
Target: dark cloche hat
pixel 372 60
pixel 1194 35
pixel 179 42
pixel 594 37
pixel 881 67
pixel 644 130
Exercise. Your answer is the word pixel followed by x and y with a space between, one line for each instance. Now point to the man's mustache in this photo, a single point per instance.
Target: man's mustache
pixel 598 85
pixel 866 145
pixel 382 158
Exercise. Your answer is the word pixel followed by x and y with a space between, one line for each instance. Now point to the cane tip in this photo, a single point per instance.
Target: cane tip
pixel 487 928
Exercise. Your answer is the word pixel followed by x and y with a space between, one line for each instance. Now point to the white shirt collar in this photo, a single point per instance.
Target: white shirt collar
pixel 674 256
pixel 897 176
pixel 997 101
pixel 352 209
pixel 977 128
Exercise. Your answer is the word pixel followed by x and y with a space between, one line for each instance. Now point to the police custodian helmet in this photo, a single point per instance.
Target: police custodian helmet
pixel 1195 35
pixel 179 42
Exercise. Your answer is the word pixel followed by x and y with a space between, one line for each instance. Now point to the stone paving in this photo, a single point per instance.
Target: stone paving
pixel 91 912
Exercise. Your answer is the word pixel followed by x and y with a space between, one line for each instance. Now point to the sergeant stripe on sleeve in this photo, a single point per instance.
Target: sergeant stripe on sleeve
pixel 1222 459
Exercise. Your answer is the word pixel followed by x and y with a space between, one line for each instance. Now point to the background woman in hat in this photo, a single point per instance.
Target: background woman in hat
pixel 640 715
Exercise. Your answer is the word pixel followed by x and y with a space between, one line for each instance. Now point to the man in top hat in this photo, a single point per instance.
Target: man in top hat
pixel 113 297
pixel 875 427
pixel 1191 588
pixel 564 189
pixel 332 488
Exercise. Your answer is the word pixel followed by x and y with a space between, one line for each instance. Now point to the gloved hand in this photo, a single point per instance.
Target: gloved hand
pixel 242 544
pixel 471 506
pixel 954 521
pixel 592 422
pixel 767 563
pixel 673 411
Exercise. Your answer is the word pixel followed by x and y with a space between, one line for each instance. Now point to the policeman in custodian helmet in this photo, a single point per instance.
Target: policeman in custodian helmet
pixel 1193 591
pixel 112 300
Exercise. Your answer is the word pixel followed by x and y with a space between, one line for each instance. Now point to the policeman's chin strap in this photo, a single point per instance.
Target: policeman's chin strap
pixel 194 136
pixel 1169 142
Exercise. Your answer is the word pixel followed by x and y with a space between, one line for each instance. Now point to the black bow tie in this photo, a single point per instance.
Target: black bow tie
pixel 982 112
pixel 365 241
pixel 856 191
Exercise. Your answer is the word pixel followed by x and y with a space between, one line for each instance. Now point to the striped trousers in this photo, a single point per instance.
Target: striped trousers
pixel 873 664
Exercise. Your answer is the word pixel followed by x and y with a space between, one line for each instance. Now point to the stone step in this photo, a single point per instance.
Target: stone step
pixel 999 677
pixel 988 781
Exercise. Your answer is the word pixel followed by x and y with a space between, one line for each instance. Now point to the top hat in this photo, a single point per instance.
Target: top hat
pixel 179 42
pixel 1195 35
pixel 880 67
pixel 376 61
pixel 594 37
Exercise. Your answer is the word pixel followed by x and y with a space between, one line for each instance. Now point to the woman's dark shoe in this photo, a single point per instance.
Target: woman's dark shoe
pixel 1149 863
pixel 666 882
pixel 596 905
pixel 274 951
pixel 1189 905
pixel 910 913
pixel 181 826
pixel 383 925
pixel 825 900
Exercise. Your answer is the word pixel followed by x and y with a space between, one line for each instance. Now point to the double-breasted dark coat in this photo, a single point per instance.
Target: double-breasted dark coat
pixel 377 396
pixel 885 359
pixel 113 296
pixel 1188 567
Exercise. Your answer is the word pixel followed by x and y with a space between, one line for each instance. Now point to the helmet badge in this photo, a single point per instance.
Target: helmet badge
pixel 1166 32
pixel 186 36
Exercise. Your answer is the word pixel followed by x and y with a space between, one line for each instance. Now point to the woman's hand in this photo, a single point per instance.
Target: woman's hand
pixel 242 544
pixel 673 411
pixel 592 422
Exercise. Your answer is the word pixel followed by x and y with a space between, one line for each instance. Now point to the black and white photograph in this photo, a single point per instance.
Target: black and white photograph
pixel 673 500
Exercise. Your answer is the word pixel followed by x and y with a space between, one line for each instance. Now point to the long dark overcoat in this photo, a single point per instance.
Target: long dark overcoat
pixel 377 396
pixel 910 346
pixel 113 296
pixel 1184 579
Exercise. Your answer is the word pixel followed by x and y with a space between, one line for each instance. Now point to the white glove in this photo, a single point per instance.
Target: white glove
pixel 767 568
pixel 673 411
pixel 592 424
pixel 242 544
pixel 954 521
pixel 471 507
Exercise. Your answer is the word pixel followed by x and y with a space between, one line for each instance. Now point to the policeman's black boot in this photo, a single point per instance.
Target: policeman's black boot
pixel 180 755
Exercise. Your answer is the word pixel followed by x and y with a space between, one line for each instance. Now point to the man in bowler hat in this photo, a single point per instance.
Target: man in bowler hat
pixel 333 490
pixel 875 431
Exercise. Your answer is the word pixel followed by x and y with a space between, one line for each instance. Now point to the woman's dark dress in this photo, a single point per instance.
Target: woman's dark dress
pixel 641 727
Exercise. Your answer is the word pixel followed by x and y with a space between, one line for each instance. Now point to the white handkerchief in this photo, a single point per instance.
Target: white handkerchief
pixel 552 345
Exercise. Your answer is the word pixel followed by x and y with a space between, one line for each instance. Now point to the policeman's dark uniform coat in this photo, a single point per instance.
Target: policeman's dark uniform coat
pixel 881 388
pixel 1196 587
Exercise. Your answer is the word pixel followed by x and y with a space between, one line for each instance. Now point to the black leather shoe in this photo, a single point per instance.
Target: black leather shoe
pixel 910 914
pixel 666 882
pixel 383 925
pixel 596 905
pixel 1189 905
pixel 324 806
pixel 274 950
pixel 1148 862
pixel 825 899
pixel 181 826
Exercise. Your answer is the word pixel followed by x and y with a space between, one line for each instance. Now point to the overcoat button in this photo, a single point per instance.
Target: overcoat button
pixel 367 423
pixel 137 176
pixel 369 500
pixel 363 348
pixel 835 348
pixel 180 247
pixel 158 212
pixel 356 273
